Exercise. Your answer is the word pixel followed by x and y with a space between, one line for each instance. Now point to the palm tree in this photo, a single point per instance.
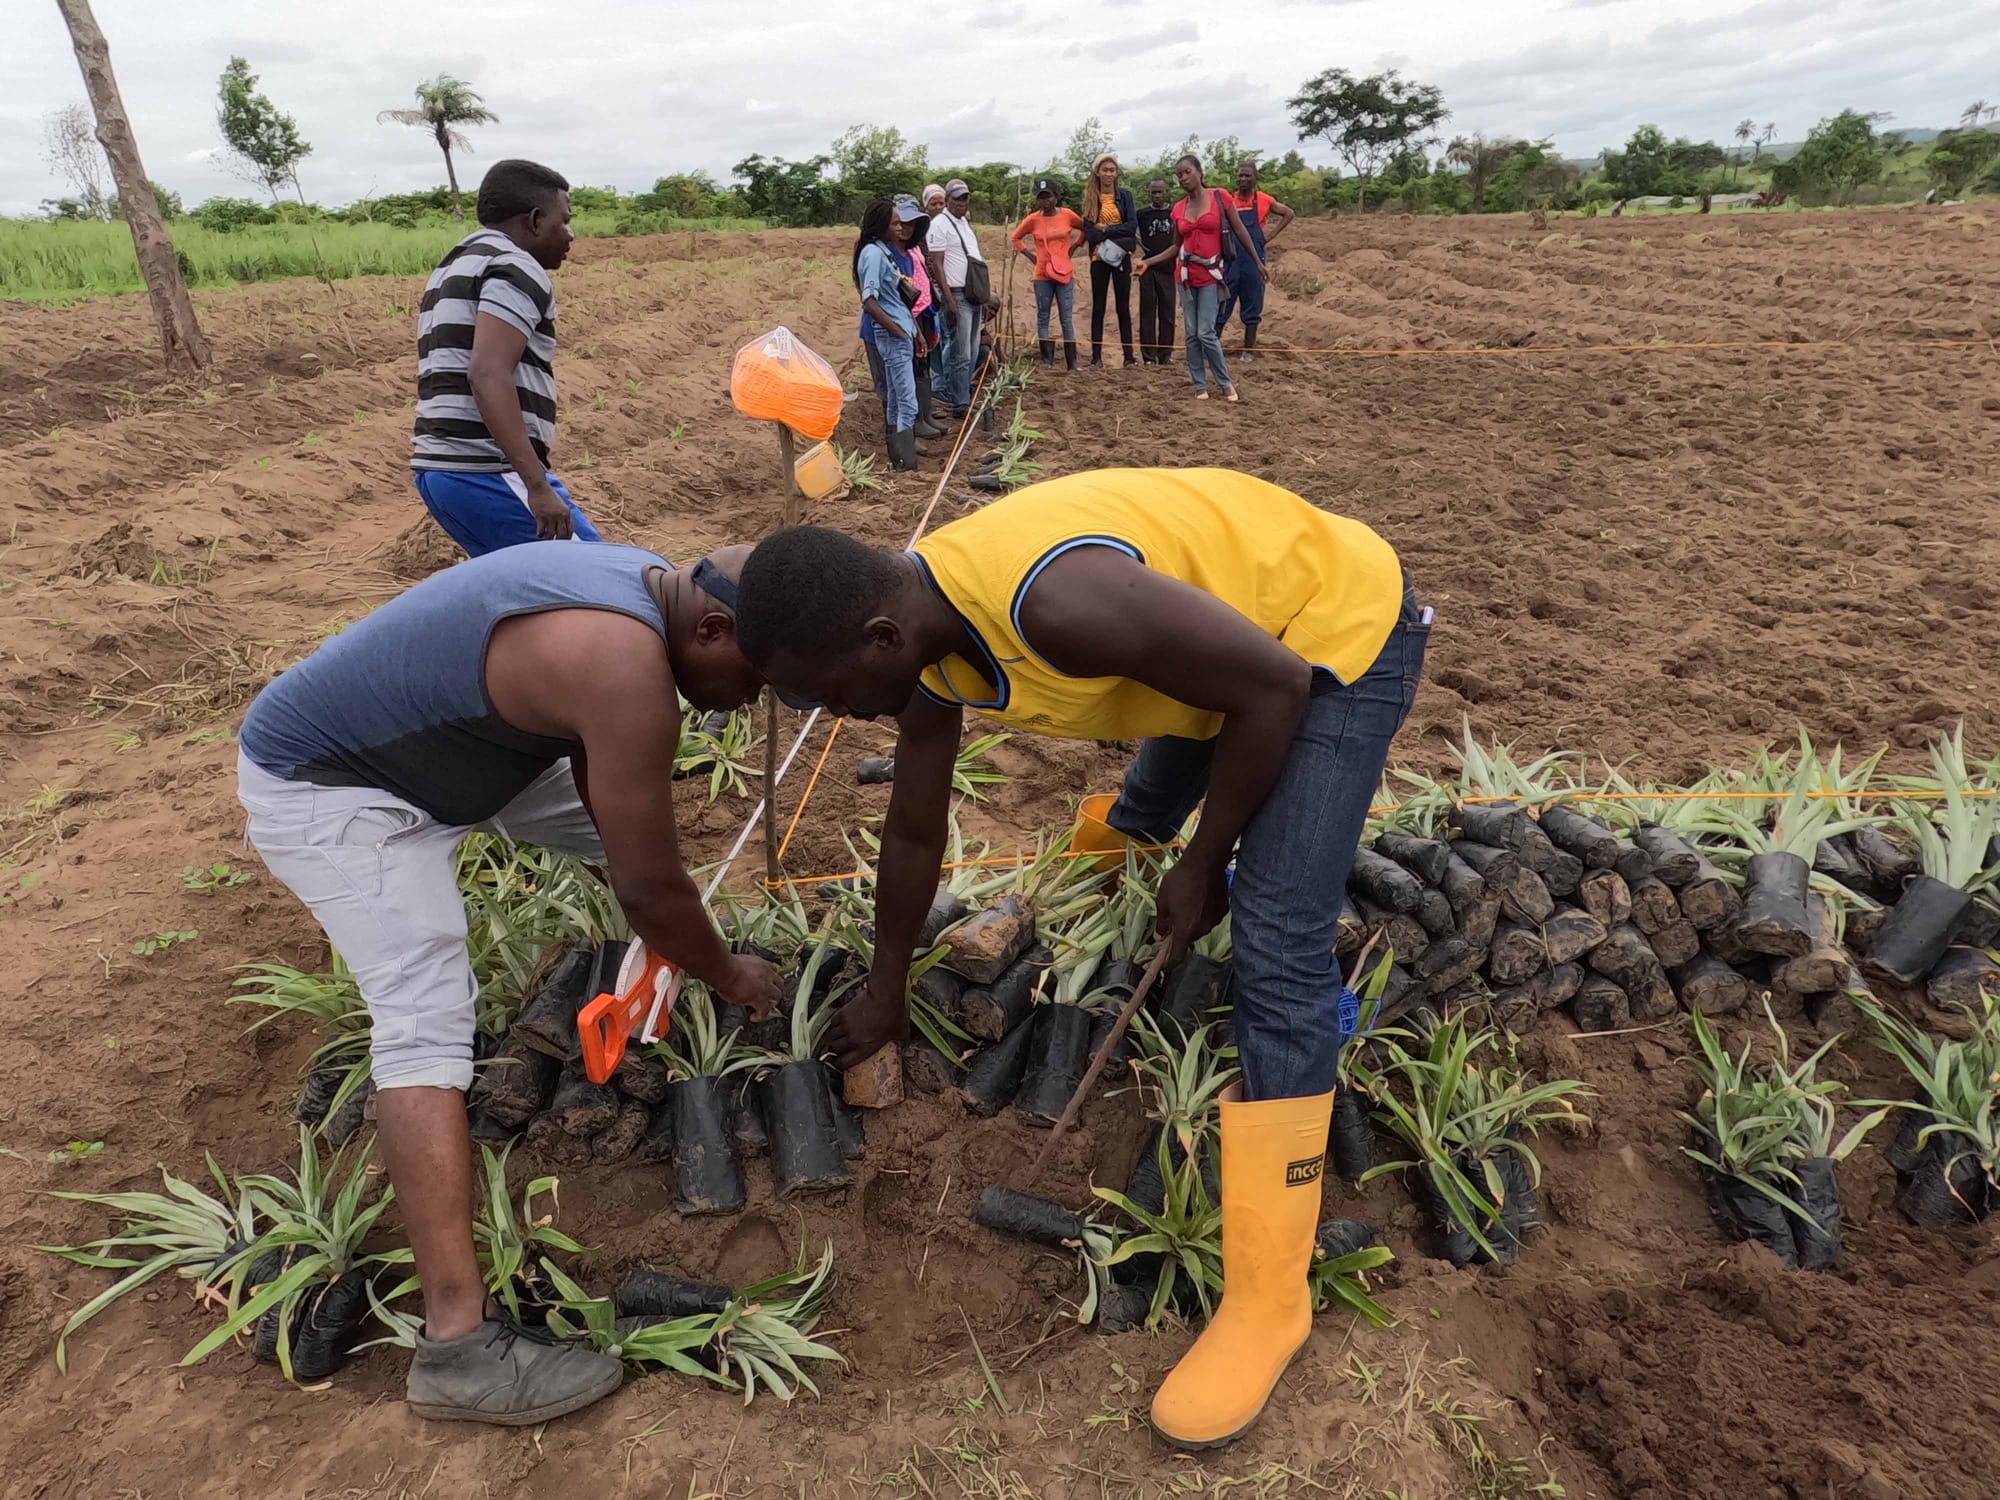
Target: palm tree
pixel 1480 157
pixel 443 103
pixel 1769 134
pixel 1746 130
pixel 1974 112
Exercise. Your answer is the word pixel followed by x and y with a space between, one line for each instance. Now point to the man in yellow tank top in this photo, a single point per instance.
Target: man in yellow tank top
pixel 1266 652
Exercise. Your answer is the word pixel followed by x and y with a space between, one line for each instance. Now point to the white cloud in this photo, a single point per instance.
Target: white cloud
pixel 619 92
pixel 1123 45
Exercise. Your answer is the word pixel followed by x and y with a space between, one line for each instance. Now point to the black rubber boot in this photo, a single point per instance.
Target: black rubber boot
pixel 1049 353
pixel 1096 356
pixel 1250 341
pixel 902 450
pixel 925 427
pixel 1069 355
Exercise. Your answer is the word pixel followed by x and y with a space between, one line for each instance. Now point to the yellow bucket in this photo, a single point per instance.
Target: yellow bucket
pixel 818 474
pixel 1095 835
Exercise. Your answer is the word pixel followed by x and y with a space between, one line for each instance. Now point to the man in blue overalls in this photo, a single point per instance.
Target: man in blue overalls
pixel 1242 288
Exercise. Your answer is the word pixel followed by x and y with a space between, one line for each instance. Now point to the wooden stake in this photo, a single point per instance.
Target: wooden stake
pixel 1104 1051
pixel 1007 289
pixel 792 516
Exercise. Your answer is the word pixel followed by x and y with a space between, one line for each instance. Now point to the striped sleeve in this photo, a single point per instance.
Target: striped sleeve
pixel 508 293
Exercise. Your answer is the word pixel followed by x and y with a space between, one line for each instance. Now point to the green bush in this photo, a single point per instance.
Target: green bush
pixel 1303 192
pixel 226 215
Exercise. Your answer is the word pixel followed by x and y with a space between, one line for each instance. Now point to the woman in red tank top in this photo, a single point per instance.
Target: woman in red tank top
pixel 1200 221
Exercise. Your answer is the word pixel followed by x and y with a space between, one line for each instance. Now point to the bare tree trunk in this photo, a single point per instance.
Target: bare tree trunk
pixel 451 171
pixel 181 339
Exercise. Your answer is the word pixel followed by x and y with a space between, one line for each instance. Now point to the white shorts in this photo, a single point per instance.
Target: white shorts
pixel 380 878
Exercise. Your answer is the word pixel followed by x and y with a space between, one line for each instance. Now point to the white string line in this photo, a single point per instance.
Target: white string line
pixel 757 812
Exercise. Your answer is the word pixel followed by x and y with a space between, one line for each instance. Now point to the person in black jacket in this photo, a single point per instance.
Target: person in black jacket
pixel 1157 242
pixel 1111 229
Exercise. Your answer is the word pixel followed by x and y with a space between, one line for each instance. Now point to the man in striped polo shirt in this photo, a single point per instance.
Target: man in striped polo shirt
pixel 486 385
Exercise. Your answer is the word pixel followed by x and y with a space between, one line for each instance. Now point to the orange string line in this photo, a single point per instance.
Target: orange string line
pixel 811 782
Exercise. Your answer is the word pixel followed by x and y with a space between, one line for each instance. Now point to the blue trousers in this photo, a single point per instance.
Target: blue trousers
pixel 1292 862
pixel 1062 295
pixel 1242 287
pixel 1204 344
pixel 897 363
pixel 485 512
pixel 1243 294
pixel 963 351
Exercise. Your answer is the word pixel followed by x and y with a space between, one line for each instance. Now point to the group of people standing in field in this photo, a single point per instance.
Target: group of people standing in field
pixel 926 294
pixel 1205 252
pixel 926 288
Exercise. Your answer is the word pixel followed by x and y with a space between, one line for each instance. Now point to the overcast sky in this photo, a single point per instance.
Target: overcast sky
pixel 618 92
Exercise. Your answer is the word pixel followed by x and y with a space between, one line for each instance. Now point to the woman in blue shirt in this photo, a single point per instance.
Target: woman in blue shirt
pixel 882 275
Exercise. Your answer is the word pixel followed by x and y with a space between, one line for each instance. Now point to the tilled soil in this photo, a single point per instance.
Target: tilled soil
pixel 1663 555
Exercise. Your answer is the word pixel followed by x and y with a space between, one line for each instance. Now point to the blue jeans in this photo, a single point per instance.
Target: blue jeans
pixel 485 512
pixel 1063 295
pixel 936 362
pixel 1292 863
pixel 964 350
pixel 899 381
pixel 1198 304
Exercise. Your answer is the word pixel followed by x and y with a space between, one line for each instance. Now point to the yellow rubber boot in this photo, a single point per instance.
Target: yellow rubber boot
pixel 1273 1152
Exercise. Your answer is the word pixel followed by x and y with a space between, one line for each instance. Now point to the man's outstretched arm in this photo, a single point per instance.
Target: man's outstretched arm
pixel 913 840
pixel 604 679
pixel 1098 612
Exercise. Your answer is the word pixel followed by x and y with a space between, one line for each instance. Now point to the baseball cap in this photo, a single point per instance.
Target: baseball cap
pixel 908 209
pixel 956 188
pixel 1044 185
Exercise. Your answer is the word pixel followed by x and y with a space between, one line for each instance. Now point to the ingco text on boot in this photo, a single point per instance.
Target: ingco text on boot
pixel 1304 1173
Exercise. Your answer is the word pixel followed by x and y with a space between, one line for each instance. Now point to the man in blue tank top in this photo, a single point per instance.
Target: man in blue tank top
pixel 531 692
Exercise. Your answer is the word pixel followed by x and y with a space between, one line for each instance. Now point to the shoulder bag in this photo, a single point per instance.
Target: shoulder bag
pixel 978 280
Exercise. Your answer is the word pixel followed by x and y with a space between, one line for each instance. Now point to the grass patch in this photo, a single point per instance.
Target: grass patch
pixel 68 261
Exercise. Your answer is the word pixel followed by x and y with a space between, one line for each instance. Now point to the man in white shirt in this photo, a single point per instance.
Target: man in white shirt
pixel 955 245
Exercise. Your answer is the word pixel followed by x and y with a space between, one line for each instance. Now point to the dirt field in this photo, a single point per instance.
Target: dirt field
pixel 1664 556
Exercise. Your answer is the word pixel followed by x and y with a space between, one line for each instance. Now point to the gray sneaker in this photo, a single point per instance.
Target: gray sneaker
pixel 509 1375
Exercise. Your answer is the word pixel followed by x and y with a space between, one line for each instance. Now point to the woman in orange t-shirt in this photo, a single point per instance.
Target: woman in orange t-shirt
pixel 1056 232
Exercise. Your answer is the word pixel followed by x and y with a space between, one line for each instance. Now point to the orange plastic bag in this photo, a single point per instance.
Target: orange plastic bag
pixel 776 378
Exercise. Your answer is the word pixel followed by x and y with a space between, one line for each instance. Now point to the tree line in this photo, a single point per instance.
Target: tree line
pixel 1382 130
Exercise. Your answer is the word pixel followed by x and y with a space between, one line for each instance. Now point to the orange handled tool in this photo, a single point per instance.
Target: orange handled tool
pixel 642 999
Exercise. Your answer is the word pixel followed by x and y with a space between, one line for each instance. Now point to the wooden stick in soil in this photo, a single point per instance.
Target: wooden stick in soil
pixel 791 518
pixel 1104 1050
